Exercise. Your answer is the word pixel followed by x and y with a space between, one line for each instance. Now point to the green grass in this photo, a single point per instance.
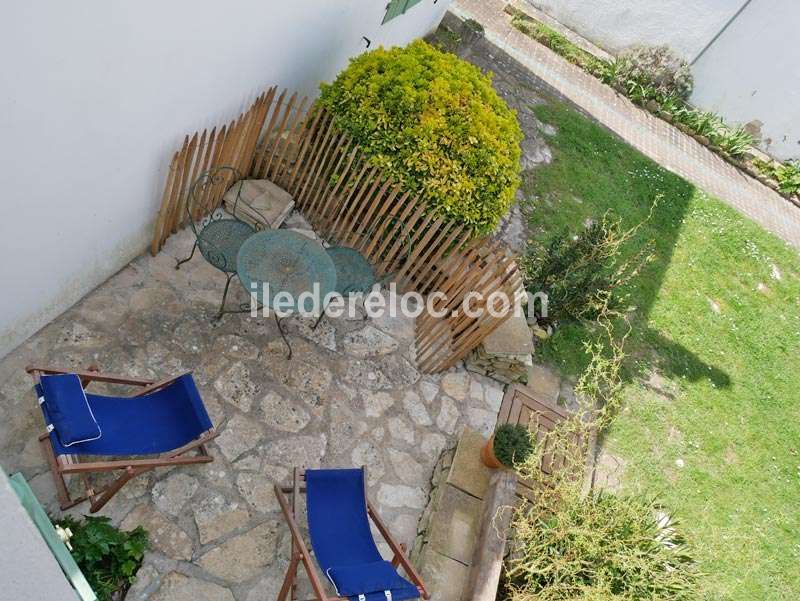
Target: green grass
pixel 718 320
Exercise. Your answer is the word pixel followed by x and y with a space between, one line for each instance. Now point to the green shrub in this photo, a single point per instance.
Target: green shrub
pixel 512 444
pixel 599 547
pixel 107 556
pixel 434 123
pixel 583 274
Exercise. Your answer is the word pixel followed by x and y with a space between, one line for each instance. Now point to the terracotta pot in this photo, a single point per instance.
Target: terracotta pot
pixel 488 456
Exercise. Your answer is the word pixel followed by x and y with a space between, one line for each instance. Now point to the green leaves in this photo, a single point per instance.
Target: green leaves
pixel 433 122
pixel 512 444
pixel 786 174
pixel 600 547
pixel 107 556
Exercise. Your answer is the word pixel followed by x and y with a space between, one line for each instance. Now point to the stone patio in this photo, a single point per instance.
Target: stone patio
pixel 351 395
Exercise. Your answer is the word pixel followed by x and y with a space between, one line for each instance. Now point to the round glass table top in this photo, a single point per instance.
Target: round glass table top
pixel 285 263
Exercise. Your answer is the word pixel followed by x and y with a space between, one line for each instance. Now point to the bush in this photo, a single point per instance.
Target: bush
pixel 512 444
pixel 107 556
pixel 600 547
pixel 654 67
pixel 434 123
pixel 583 274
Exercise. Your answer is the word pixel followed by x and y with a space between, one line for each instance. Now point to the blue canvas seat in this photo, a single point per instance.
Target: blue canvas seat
pixel 343 545
pixel 164 420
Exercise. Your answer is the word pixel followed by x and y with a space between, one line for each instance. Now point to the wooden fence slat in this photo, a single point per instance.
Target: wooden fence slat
pixel 188 156
pixel 332 161
pixel 161 218
pixel 307 135
pixel 312 178
pixel 277 174
pixel 281 131
pixel 267 137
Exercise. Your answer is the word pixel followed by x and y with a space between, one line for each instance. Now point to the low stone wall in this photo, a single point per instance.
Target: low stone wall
pixel 457 546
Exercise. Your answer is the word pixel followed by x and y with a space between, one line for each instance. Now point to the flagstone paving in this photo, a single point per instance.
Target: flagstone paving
pixel 351 395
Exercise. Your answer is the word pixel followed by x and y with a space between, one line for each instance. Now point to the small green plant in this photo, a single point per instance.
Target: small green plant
pixel 787 175
pixel 433 122
pixel 599 547
pixel 558 43
pixel 512 444
pixel 107 556
pixel 656 68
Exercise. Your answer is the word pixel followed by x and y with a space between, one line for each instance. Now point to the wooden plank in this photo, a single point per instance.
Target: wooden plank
pixel 266 139
pixel 332 201
pixel 332 163
pixel 201 202
pixel 209 201
pixel 280 132
pixel 293 134
pixel 316 166
pixel 262 143
pixel 161 218
pixel 181 195
pixel 308 133
pixel 198 163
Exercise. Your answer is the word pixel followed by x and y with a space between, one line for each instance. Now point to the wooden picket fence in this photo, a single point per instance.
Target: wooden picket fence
pixel 296 145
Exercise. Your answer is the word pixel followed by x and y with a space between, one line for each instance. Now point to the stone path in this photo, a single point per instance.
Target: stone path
pixel 350 396
pixel 654 137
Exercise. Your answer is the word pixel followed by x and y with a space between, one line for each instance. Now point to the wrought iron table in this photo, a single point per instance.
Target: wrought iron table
pixel 281 262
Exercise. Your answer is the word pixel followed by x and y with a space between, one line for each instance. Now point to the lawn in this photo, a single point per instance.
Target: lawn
pixel 711 419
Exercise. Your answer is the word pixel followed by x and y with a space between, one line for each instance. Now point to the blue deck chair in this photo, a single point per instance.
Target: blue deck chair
pixel 338 525
pixel 164 420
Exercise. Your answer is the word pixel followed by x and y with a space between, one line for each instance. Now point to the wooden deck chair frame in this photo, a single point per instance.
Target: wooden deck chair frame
pixel 300 553
pixel 62 465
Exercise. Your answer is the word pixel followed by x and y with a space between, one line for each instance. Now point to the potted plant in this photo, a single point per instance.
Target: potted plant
pixel 510 445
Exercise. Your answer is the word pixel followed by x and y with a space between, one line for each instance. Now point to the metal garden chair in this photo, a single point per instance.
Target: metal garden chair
pixel 354 273
pixel 218 237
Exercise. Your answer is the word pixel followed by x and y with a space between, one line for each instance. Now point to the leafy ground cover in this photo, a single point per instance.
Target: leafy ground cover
pixel 711 419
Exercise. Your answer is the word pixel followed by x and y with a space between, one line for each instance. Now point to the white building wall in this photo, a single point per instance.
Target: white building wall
pixel 95 96
pixel 684 25
pixel 751 74
pixel 745 53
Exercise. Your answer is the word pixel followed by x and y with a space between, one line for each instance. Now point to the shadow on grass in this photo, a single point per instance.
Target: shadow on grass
pixel 593 171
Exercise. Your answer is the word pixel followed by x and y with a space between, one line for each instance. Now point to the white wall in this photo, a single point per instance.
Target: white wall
pixel 745 52
pixel 684 25
pixel 95 96
pixel 751 74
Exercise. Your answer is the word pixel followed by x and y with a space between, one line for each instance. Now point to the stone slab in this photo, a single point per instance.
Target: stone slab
pixel 445 578
pixel 468 472
pixel 544 384
pixel 512 337
pixel 455 527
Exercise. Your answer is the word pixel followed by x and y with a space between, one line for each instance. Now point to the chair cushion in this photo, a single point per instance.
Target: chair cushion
pixel 362 579
pixel 67 409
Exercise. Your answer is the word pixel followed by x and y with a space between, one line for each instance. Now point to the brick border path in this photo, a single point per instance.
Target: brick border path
pixel 654 137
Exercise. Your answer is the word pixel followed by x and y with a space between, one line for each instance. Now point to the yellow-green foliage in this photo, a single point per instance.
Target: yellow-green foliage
pixel 433 122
